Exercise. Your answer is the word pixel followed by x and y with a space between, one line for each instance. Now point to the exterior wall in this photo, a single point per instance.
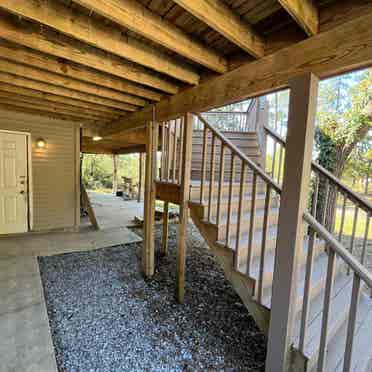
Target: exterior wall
pixel 55 169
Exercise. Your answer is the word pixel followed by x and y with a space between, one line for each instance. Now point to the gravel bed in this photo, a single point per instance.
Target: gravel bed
pixel 105 317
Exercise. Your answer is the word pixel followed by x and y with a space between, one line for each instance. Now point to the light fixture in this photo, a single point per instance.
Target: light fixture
pixel 97 138
pixel 40 143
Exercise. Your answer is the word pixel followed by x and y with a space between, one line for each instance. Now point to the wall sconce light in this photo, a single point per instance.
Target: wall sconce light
pixel 40 143
pixel 97 138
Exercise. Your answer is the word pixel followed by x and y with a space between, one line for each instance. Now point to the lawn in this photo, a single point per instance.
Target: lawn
pixel 348 224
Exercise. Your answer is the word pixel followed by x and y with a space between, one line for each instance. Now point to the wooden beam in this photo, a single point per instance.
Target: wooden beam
pixel 5 85
pixel 72 50
pixel 64 81
pixel 42 61
pixel 134 16
pixel 349 47
pixel 221 18
pixel 304 13
pixel 35 111
pixel 184 207
pixel 48 108
pixel 148 252
pixel 79 26
pixel 58 107
pixel 64 92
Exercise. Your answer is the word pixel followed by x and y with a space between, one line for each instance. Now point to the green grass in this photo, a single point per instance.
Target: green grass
pixel 348 224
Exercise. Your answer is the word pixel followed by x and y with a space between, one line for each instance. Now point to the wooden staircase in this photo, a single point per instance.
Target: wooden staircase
pixel 235 206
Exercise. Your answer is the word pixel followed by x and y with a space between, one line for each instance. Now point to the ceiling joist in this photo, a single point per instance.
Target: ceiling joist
pixel 116 99
pixel 304 12
pixel 270 73
pixel 79 72
pixel 220 17
pixel 134 16
pixel 84 28
pixel 64 92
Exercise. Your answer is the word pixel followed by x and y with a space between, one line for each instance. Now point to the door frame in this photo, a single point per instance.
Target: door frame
pixel 30 207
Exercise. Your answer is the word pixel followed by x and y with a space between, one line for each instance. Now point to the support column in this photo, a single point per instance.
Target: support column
pixel 148 254
pixel 115 174
pixel 300 137
pixel 184 209
pixel 164 243
pixel 140 176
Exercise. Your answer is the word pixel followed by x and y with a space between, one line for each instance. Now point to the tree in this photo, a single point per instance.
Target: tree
pixel 344 120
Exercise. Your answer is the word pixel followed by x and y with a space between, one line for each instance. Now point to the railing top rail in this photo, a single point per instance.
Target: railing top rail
pixel 334 244
pixel 225 112
pixel 241 155
pixel 362 202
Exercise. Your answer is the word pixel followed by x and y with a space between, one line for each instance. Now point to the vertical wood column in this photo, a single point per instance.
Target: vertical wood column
pixel 115 174
pixel 184 210
pixel 148 254
pixel 140 176
pixel 301 120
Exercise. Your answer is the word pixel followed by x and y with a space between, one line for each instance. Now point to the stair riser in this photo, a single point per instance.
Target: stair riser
pixel 195 190
pixel 244 227
pixel 224 206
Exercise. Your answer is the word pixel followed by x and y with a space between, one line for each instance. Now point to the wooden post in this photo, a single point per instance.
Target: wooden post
pixel 164 245
pixel 184 211
pixel 140 176
pixel 148 254
pixel 115 174
pixel 302 110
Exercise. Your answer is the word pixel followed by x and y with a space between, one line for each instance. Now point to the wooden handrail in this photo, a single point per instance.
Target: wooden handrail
pixel 339 249
pixel 362 202
pixel 241 155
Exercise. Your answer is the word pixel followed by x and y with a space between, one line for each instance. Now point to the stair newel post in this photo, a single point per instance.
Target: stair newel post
pixel 301 122
pixel 148 253
pixel 184 209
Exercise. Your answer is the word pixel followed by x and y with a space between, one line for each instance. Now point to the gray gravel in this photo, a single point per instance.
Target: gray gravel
pixel 105 317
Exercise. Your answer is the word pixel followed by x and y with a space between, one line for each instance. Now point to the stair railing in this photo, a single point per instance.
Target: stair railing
pixel 234 168
pixel 360 275
pixel 171 140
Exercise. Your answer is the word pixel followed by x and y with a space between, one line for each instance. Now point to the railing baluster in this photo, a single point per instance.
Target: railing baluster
pixel 169 150
pixel 274 159
pixel 342 218
pixel 280 164
pixel 174 157
pixel 240 214
pixel 229 206
pixel 220 182
pixel 351 323
pixel 365 239
pixel 324 215
pixel 211 178
pixel 265 229
pixel 203 165
pixel 355 221
pixel 252 222
pixel 182 123
pixel 162 161
pixel 326 309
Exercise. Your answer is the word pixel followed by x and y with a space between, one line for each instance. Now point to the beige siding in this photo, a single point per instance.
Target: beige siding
pixel 53 169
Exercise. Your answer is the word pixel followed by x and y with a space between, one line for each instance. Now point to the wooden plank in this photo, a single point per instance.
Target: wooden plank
pixel 221 18
pixel 304 12
pixel 290 238
pixel 64 81
pixel 169 192
pixel 99 110
pixel 134 16
pixel 47 110
pixel 184 211
pixel 57 107
pixel 79 72
pixel 63 92
pixel 269 73
pixel 86 29
pixel 148 252
pixel 75 52
pixel 164 242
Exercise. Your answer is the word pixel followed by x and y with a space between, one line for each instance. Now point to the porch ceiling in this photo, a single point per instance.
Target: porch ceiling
pixel 104 64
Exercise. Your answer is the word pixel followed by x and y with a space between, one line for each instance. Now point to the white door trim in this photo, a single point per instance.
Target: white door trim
pixel 30 207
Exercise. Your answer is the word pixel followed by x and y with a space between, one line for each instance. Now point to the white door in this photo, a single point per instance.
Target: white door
pixel 13 183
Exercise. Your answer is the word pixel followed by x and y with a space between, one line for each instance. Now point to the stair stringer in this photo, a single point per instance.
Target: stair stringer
pixel 243 286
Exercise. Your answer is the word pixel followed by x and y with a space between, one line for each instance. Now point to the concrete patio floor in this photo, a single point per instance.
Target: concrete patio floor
pixel 25 343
